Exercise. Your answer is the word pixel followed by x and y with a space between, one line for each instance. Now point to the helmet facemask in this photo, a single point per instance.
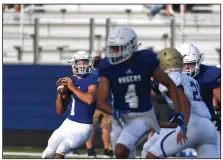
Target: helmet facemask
pixel 119 53
pixel 192 72
pixel 82 66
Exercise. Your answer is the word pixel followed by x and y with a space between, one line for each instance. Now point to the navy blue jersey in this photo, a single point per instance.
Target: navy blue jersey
pixel 79 111
pixel 208 78
pixel 96 73
pixel 130 83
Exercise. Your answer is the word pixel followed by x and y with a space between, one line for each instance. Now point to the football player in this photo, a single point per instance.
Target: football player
pixel 201 133
pixel 77 127
pixel 105 125
pixel 209 79
pixel 127 72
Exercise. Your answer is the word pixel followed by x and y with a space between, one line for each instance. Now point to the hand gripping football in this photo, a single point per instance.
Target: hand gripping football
pixel 62 89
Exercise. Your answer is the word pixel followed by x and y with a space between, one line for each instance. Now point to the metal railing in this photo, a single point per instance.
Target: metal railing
pixel 173 23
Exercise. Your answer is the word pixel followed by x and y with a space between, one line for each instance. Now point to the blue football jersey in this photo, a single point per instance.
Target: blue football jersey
pixel 208 78
pixel 130 83
pixel 79 111
pixel 96 73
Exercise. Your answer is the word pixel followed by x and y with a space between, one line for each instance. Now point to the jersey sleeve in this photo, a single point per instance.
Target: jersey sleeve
pixel 151 59
pixel 95 73
pixel 94 80
pixel 213 77
pixel 103 68
pixel 156 61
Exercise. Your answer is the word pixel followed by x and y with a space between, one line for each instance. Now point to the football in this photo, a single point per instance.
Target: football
pixel 63 89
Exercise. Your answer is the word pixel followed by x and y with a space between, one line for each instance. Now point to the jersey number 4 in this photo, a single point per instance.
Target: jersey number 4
pixel 131 97
pixel 196 91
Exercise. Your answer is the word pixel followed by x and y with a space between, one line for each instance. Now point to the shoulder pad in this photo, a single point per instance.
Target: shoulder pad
pixel 104 64
pixel 211 74
pixel 147 55
pixel 148 58
pixel 104 67
pixel 93 80
pixel 176 77
pixel 94 73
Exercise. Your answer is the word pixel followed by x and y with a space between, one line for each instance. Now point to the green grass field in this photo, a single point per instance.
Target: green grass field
pixel 21 149
pixel 13 152
pixel 29 152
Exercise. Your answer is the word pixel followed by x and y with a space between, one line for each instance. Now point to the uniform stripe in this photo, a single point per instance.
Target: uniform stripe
pixel 164 138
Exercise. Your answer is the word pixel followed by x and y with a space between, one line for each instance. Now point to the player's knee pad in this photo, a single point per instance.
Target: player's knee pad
pixel 49 152
pixel 64 147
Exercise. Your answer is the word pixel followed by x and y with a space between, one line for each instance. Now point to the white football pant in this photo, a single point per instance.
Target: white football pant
pixel 201 135
pixel 68 136
pixel 136 128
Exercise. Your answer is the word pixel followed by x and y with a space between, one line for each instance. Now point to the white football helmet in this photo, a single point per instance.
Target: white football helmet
pixel 121 44
pixel 191 54
pixel 81 62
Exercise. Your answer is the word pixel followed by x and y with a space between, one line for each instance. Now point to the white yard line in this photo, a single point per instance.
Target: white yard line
pixel 36 154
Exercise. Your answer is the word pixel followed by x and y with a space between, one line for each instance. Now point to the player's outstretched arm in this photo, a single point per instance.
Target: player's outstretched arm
pixel 103 95
pixel 61 103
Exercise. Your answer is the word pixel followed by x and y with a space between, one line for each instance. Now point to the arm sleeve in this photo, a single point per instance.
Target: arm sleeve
pixel 151 60
pixel 103 69
pixel 94 80
pixel 154 61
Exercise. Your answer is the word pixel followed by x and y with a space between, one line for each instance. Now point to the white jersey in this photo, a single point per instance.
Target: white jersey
pixel 191 90
pixel 201 132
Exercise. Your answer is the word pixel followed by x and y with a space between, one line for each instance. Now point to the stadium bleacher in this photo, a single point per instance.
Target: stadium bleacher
pixel 69 25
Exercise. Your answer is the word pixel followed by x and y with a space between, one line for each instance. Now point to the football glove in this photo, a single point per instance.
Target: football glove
pixel 178 118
